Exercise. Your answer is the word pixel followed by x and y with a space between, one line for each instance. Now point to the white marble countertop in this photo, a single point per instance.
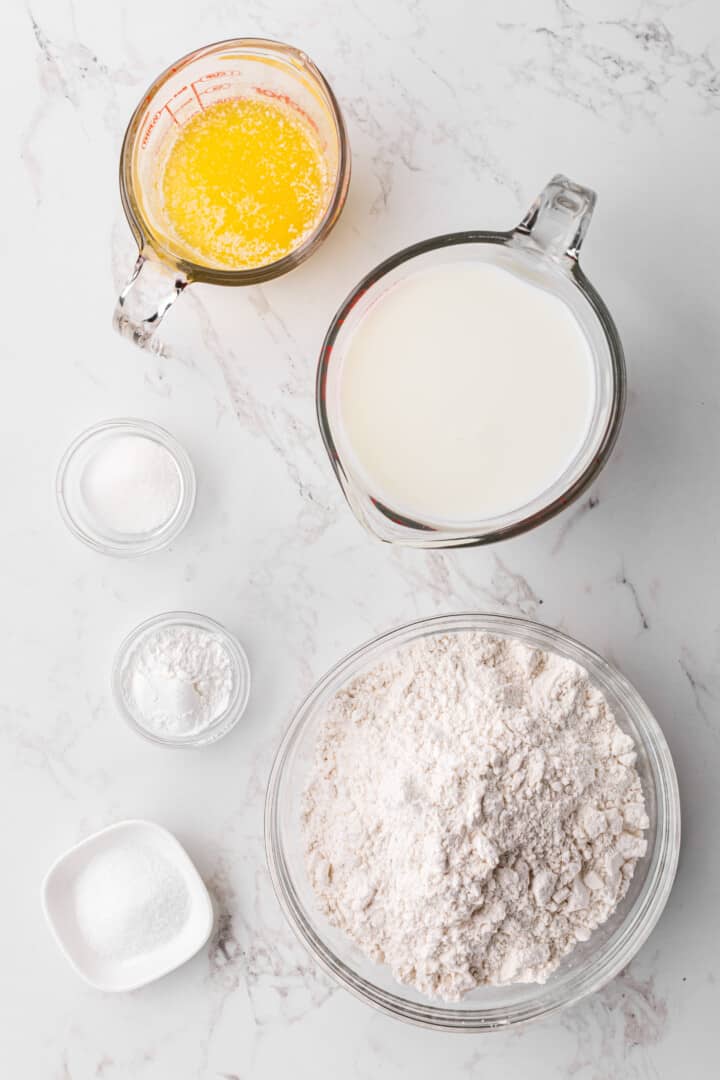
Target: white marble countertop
pixel 458 114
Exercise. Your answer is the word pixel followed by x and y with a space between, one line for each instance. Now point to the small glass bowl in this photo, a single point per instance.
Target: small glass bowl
pixel 592 963
pixel 77 515
pixel 241 679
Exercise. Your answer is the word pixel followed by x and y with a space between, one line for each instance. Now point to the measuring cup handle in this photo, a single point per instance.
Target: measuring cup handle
pixel 557 221
pixel 149 293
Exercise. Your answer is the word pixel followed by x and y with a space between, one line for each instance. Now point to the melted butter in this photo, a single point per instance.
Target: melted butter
pixel 244 184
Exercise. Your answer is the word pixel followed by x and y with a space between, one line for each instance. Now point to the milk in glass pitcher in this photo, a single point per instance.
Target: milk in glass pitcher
pixel 473 385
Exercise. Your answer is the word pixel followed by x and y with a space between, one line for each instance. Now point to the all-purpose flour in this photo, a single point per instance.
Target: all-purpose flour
pixel 474 812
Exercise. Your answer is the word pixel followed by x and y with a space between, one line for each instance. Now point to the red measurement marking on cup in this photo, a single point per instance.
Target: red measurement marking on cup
pixel 150 127
pixel 195 92
pixel 265 91
pixel 213 90
pixel 174 107
pixel 212 85
pixel 218 81
pixel 219 75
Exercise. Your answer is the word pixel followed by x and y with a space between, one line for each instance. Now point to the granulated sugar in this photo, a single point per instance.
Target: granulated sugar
pixel 474 812
pixel 129 900
pixel 131 485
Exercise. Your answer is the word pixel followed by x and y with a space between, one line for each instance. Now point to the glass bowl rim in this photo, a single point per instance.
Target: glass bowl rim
pixel 639 920
pixel 141 230
pixel 145 543
pixel 432 535
pixel 227 720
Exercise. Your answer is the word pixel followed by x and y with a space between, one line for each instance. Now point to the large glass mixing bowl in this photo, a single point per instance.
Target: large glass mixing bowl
pixel 592 963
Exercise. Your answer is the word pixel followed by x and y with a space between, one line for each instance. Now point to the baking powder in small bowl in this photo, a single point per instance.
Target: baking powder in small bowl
pixel 181 679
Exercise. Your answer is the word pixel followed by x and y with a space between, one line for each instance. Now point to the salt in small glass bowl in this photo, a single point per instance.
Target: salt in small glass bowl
pixel 241 679
pixel 488 1008
pixel 79 518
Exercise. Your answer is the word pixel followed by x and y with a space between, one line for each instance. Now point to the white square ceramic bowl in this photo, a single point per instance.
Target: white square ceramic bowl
pixel 105 973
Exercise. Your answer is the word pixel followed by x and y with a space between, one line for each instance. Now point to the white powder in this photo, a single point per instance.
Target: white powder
pixel 131 485
pixel 473 813
pixel 129 900
pixel 178 680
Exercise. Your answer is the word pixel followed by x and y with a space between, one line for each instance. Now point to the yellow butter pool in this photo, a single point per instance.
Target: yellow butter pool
pixel 244 183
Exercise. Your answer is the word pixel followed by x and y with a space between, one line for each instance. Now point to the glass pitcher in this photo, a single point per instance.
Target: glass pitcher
pixel 542 250
pixel 242 68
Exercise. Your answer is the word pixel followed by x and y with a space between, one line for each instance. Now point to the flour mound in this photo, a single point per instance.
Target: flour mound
pixel 474 811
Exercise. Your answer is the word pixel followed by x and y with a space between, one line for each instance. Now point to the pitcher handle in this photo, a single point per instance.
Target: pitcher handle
pixel 149 293
pixel 557 221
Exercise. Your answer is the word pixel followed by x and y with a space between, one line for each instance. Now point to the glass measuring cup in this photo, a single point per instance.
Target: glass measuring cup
pixel 252 68
pixel 542 250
